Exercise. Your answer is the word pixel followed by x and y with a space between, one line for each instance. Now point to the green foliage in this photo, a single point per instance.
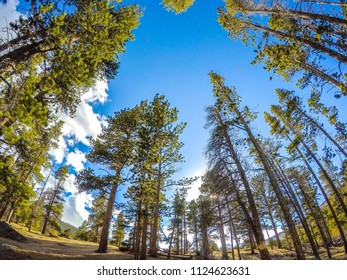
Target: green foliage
pixel 177 6
pixel 292 41
pixel 56 56
pixel 82 232
pixel 118 231
pixel 124 246
pixel 67 233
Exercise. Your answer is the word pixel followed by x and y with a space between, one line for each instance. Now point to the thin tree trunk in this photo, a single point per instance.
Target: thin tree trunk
pixel 221 233
pixel 185 237
pixel 230 228
pixel 268 236
pixel 255 225
pixel 331 208
pixel 138 231
pixel 236 239
pixel 251 241
pixel 277 190
pixel 143 252
pixel 286 236
pixel 306 42
pixel 272 220
pixel 286 184
pixel 171 239
pixel 38 201
pixel 318 223
pixel 155 228
pixel 205 243
pixel 48 213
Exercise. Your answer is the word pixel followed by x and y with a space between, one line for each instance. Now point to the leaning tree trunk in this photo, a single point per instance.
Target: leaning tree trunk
pixel 107 220
pixel 38 201
pixel 230 228
pixel 326 198
pixel 318 223
pixel 292 196
pixel 257 230
pixel 272 220
pixel 255 227
pixel 222 234
pixel 276 187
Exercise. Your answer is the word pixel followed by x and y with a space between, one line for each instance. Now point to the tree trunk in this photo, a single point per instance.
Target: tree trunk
pixel 185 236
pixel 3 210
pixel 277 190
pixel 306 42
pixel 143 252
pixel 222 234
pixel 256 229
pixel 171 240
pixel 38 201
pixel 251 241
pixel 292 196
pixel 230 228
pixel 138 231
pixel 331 208
pixel 255 224
pixel 268 236
pixel 236 239
pixel 205 244
pixel 318 223
pixel 155 228
pixel 103 244
pixel 272 220
pixel 286 236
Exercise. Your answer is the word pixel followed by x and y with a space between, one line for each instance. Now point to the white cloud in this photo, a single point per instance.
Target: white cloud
pixel 85 124
pixel 60 152
pixel 76 159
pixel 70 185
pixel 75 205
pixel 97 93
pixel 79 129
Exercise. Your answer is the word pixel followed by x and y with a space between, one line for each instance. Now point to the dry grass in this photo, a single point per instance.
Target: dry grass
pixel 45 247
pixel 284 254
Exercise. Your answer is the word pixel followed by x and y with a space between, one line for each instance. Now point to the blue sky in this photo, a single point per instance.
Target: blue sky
pixel 171 55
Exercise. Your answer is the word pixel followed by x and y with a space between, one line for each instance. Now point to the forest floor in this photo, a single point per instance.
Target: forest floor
pixel 42 247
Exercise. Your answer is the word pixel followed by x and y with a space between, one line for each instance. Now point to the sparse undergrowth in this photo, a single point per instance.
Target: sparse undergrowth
pixel 44 247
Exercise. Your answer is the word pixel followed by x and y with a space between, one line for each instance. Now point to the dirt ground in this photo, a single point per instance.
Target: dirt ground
pixel 42 247
pixel 63 249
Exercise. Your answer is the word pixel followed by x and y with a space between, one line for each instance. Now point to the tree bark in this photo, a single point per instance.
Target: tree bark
pixel 277 190
pixel 143 252
pixel 221 233
pixel 103 244
pixel 255 224
pixel 155 228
